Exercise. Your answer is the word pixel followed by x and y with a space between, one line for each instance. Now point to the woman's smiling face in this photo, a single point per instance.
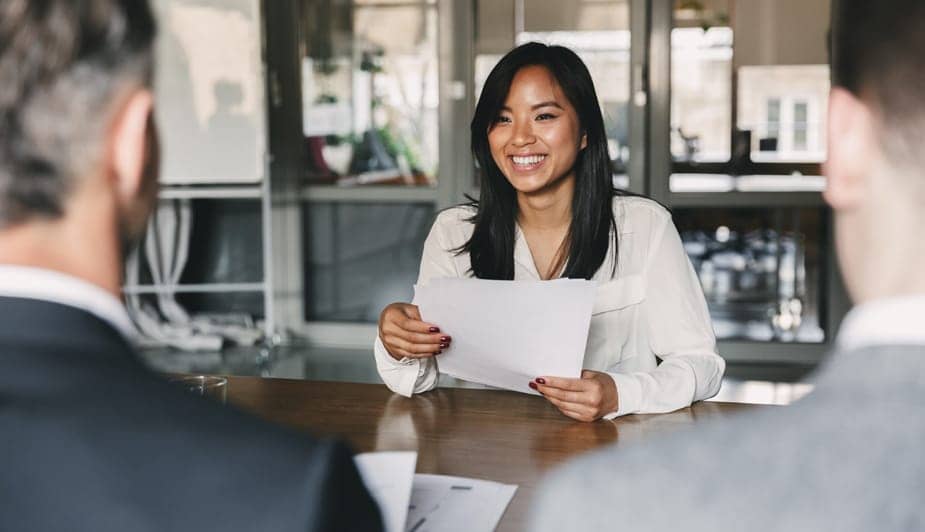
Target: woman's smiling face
pixel 536 137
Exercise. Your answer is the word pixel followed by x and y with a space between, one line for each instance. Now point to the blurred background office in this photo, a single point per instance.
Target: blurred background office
pixel 312 142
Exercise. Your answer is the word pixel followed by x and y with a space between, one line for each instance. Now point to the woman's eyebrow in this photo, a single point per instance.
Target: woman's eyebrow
pixel 537 106
pixel 546 104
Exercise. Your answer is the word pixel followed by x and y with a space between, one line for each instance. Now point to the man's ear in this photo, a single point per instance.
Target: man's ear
pixel 851 150
pixel 129 139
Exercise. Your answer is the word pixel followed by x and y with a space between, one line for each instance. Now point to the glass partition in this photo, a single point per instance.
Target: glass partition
pixel 361 256
pixel 370 92
pixel 762 270
pixel 749 87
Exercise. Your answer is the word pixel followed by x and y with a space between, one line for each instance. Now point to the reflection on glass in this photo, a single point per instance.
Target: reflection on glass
pixel 597 31
pixel 749 84
pixel 361 257
pixel 784 108
pixel 701 76
pixel 225 247
pixel 760 269
pixel 370 92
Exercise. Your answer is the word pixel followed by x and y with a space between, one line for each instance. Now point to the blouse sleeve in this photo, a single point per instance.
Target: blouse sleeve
pixel 680 334
pixel 409 376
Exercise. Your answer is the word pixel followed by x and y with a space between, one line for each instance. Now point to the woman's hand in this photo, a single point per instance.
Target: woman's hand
pixel 405 335
pixel 592 396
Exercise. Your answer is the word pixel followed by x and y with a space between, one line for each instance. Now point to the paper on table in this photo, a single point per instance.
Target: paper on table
pixel 506 333
pixel 389 476
pixel 442 503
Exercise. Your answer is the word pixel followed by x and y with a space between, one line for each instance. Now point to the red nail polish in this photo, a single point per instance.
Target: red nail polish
pixel 532 385
pixel 541 380
pixel 438 352
pixel 444 346
pixel 434 329
pixel 445 339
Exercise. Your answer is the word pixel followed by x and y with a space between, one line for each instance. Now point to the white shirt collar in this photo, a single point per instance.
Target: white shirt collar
pixel 892 321
pixel 56 287
pixel 523 255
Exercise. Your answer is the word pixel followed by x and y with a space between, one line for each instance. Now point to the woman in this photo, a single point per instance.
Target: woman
pixel 547 209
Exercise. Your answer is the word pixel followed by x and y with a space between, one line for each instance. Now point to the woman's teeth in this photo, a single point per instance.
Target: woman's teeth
pixel 528 160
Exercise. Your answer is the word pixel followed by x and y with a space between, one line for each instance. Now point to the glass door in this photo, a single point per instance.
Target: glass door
pixel 371 128
pixel 738 141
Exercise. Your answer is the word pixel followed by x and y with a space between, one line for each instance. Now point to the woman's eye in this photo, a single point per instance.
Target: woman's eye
pixel 502 120
pixel 546 116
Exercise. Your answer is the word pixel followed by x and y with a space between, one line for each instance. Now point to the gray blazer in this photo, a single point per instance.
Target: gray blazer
pixel 849 456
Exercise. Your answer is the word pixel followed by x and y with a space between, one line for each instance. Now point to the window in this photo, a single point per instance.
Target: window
pixel 794 97
pixel 799 126
pixel 772 127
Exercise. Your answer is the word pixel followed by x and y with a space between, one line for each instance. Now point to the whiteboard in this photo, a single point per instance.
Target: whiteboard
pixel 211 106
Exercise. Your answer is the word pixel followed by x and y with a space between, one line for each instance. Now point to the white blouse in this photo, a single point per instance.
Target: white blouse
pixel 653 308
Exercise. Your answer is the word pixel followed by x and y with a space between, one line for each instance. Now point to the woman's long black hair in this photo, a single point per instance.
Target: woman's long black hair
pixel 491 248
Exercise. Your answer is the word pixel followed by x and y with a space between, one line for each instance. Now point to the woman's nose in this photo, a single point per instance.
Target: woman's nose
pixel 522 133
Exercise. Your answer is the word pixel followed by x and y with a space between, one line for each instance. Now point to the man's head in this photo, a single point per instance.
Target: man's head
pixel 876 145
pixel 76 129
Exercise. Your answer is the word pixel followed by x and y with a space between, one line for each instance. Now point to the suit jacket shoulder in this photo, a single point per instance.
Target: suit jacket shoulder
pixel 93 441
pixel 844 458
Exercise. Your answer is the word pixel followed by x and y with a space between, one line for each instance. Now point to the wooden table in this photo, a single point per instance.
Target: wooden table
pixel 487 434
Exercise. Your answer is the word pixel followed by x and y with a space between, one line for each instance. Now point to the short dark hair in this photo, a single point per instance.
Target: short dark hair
pixel 878 54
pixel 61 64
pixel 491 247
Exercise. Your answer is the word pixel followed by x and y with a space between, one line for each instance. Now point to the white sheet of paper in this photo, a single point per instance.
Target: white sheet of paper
pixel 507 333
pixel 389 477
pixel 442 503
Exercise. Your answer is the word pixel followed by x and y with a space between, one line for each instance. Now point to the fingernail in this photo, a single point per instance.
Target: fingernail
pixel 541 380
pixel 438 352
pixel 533 385
pixel 445 339
pixel 434 329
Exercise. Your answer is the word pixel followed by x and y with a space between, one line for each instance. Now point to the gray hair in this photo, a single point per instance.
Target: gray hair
pixel 62 62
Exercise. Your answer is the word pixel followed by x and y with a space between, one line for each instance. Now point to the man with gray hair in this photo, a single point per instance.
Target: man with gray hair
pixel 849 456
pixel 89 439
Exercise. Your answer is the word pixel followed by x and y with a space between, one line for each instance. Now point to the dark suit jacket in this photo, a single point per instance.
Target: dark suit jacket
pixel 92 441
